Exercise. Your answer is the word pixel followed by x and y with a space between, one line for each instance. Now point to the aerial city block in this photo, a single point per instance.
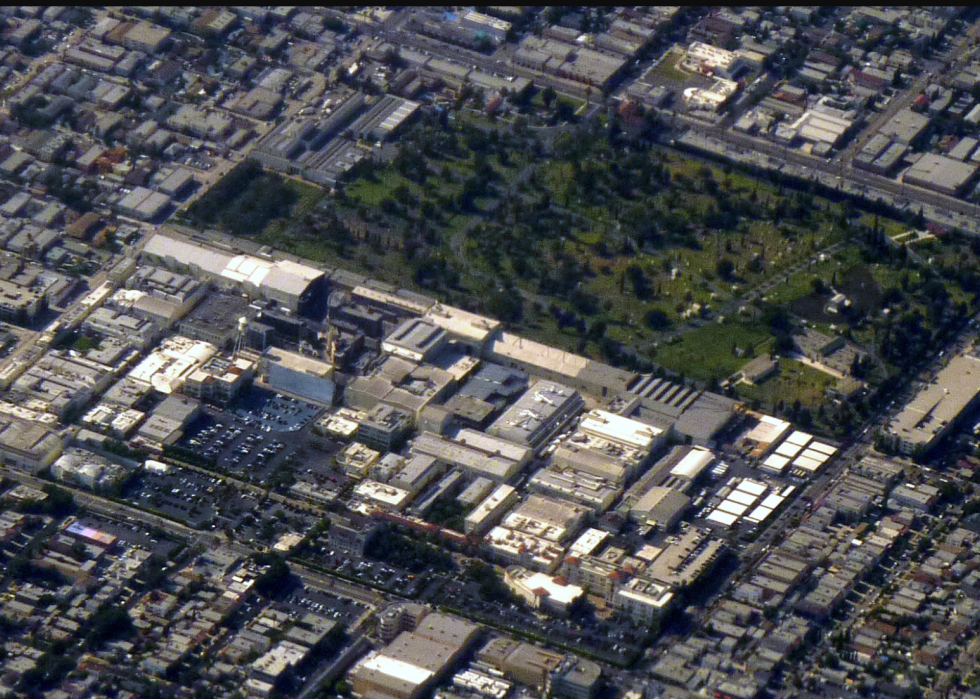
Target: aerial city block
pixel 490 352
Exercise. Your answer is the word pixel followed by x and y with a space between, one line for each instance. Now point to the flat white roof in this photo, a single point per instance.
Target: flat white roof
pixel 768 430
pixel 563 594
pixel 733 508
pixel 806 463
pixel 393 667
pixel 617 428
pixel 759 514
pixel 772 501
pixel 490 504
pixel 775 462
pixel 823 448
pixel 798 437
pixel 787 449
pixel 382 492
pixel 753 487
pixel 588 542
pixel 742 498
pixel 693 463
pixel 722 518
pixel 815 455
pixel 462 323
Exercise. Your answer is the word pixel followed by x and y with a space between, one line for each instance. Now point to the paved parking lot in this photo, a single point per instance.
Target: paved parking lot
pixel 343 611
pixel 256 436
pixel 271 412
pixel 375 573
pixel 179 494
pixel 129 532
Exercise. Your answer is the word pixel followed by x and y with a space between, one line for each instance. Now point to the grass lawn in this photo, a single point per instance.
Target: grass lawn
pixel 310 196
pixel 372 193
pixel 706 353
pixel 665 71
pixel 795 381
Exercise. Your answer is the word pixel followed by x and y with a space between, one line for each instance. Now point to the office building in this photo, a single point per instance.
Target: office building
pixel 384 428
pixel 220 380
pixel 541 591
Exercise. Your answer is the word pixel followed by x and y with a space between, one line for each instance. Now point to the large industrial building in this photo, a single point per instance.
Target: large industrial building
pixel 935 409
pixel 475 453
pixel 28 446
pixel 538 415
pixel 609 446
pixel 689 415
pixel 415 660
pixel 299 288
pixel 941 174
pixel 298 375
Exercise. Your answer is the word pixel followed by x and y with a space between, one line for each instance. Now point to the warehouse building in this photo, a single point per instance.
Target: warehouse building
pixel 689 415
pixel 563 60
pixel 415 340
pixel 538 415
pixel 521 662
pixel 216 320
pixel 609 446
pixel 941 174
pixel 167 422
pixel 168 366
pixel 384 119
pixel 299 288
pixel 904 126
pixel 660 507
pixel 143 204
pixel 28 445
pixel 491 509
pixel 924 421
pixel 469 330
pixel 594 492
pixel 476 453
pixel 108 323
pixel 415 660
pixel 586 375
pixel 402 384
pixel 298 375
pixel 546 518
pixel 485 25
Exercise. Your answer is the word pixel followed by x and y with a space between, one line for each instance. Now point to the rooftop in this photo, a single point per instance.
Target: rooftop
pixel 939 403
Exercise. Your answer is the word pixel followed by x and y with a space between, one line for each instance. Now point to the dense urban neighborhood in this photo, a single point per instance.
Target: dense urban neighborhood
pixel 489 352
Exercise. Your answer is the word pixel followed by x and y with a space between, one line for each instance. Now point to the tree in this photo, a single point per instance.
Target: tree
pixel 548 96
pixel 277 578
pixel 726 269
pixel 492 588
pixel 109 623
pixel 506 305
pixel 658 320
